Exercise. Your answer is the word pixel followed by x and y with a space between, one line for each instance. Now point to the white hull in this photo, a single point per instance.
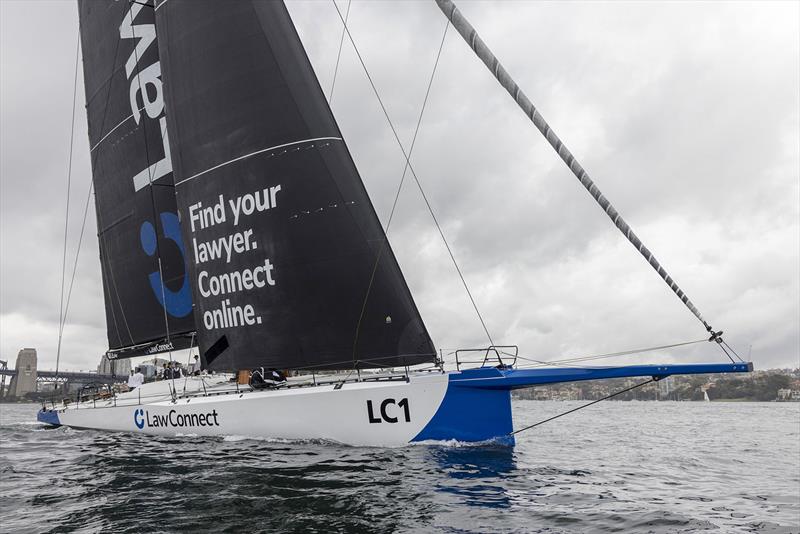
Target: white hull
pixel 372 413
pixel 471 405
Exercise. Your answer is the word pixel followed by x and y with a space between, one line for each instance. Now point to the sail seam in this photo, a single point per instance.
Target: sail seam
pixel 257 152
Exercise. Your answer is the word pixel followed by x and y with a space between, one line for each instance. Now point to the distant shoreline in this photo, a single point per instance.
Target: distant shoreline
pixel 663 400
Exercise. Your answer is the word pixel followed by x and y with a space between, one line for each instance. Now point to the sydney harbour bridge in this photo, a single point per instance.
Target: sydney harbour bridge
pixel 25 378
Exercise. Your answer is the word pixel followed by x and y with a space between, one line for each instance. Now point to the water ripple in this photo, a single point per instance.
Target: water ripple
pixel 626 467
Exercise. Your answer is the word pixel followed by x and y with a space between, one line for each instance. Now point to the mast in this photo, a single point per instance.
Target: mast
pixel 483 52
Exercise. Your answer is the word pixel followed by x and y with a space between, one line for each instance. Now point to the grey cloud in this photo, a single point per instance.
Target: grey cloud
pixel 686 115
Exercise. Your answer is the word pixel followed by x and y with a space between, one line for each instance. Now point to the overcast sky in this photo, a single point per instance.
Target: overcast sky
pixel 686 115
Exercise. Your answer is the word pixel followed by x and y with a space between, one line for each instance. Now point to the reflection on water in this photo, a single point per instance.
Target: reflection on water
pixel 474 475
pixel 656 467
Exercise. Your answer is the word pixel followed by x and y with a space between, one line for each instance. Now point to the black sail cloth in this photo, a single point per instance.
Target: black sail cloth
pixel 282 237
pixel 134 194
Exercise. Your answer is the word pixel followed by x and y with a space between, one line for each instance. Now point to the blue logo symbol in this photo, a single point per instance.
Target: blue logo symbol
pixel 177 303
pixel 138 418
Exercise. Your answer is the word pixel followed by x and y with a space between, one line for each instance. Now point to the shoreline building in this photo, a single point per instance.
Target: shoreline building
pixel 120 368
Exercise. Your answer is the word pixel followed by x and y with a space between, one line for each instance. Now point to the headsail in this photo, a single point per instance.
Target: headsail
pixel 138 229
pixel 282 235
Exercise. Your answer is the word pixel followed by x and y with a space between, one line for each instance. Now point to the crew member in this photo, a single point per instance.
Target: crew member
pixel 276 376
pixel 271 378
pixel 136 379
pixel 194 367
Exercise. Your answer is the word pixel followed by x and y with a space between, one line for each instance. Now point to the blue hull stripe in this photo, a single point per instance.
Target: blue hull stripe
pixel 477 403
pixel 49 417
pixel 471 414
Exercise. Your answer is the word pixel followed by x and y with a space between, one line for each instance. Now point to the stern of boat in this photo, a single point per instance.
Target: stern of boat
pixel 48 417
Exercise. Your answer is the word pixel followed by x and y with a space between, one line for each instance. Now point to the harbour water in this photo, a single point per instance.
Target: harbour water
pixel 614 467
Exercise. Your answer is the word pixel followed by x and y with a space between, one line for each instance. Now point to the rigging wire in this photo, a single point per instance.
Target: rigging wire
pixel 385 243
pixel 339 54
pixel 523 429
pixel 63 320
pixel 83 226
pixel 733 351
pixel 470 35
pixel 61 313
pixel 189 361
pixel 564 361
pixel 416 132
pixel 414 175
pixel 722 346
pixel 77 255
pixel 68 300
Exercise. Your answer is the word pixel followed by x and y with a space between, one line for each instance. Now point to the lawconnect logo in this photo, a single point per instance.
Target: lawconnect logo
pixel 138 418
pixel 142 418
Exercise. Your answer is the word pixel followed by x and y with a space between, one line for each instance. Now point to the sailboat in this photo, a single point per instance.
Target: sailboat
pixel 232 220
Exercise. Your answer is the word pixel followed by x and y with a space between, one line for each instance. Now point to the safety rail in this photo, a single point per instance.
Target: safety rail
pixel 314 381
pixel 93 392
pixel 114 399
pixel 487 351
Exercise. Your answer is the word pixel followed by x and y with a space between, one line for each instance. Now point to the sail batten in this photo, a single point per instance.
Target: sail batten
pixel 281 234
pixel 257 152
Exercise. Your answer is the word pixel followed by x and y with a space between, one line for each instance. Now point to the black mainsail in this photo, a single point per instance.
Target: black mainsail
pixel 282 237
pixel 143 258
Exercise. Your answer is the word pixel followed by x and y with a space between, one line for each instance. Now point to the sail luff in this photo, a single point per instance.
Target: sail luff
pixel 483 52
